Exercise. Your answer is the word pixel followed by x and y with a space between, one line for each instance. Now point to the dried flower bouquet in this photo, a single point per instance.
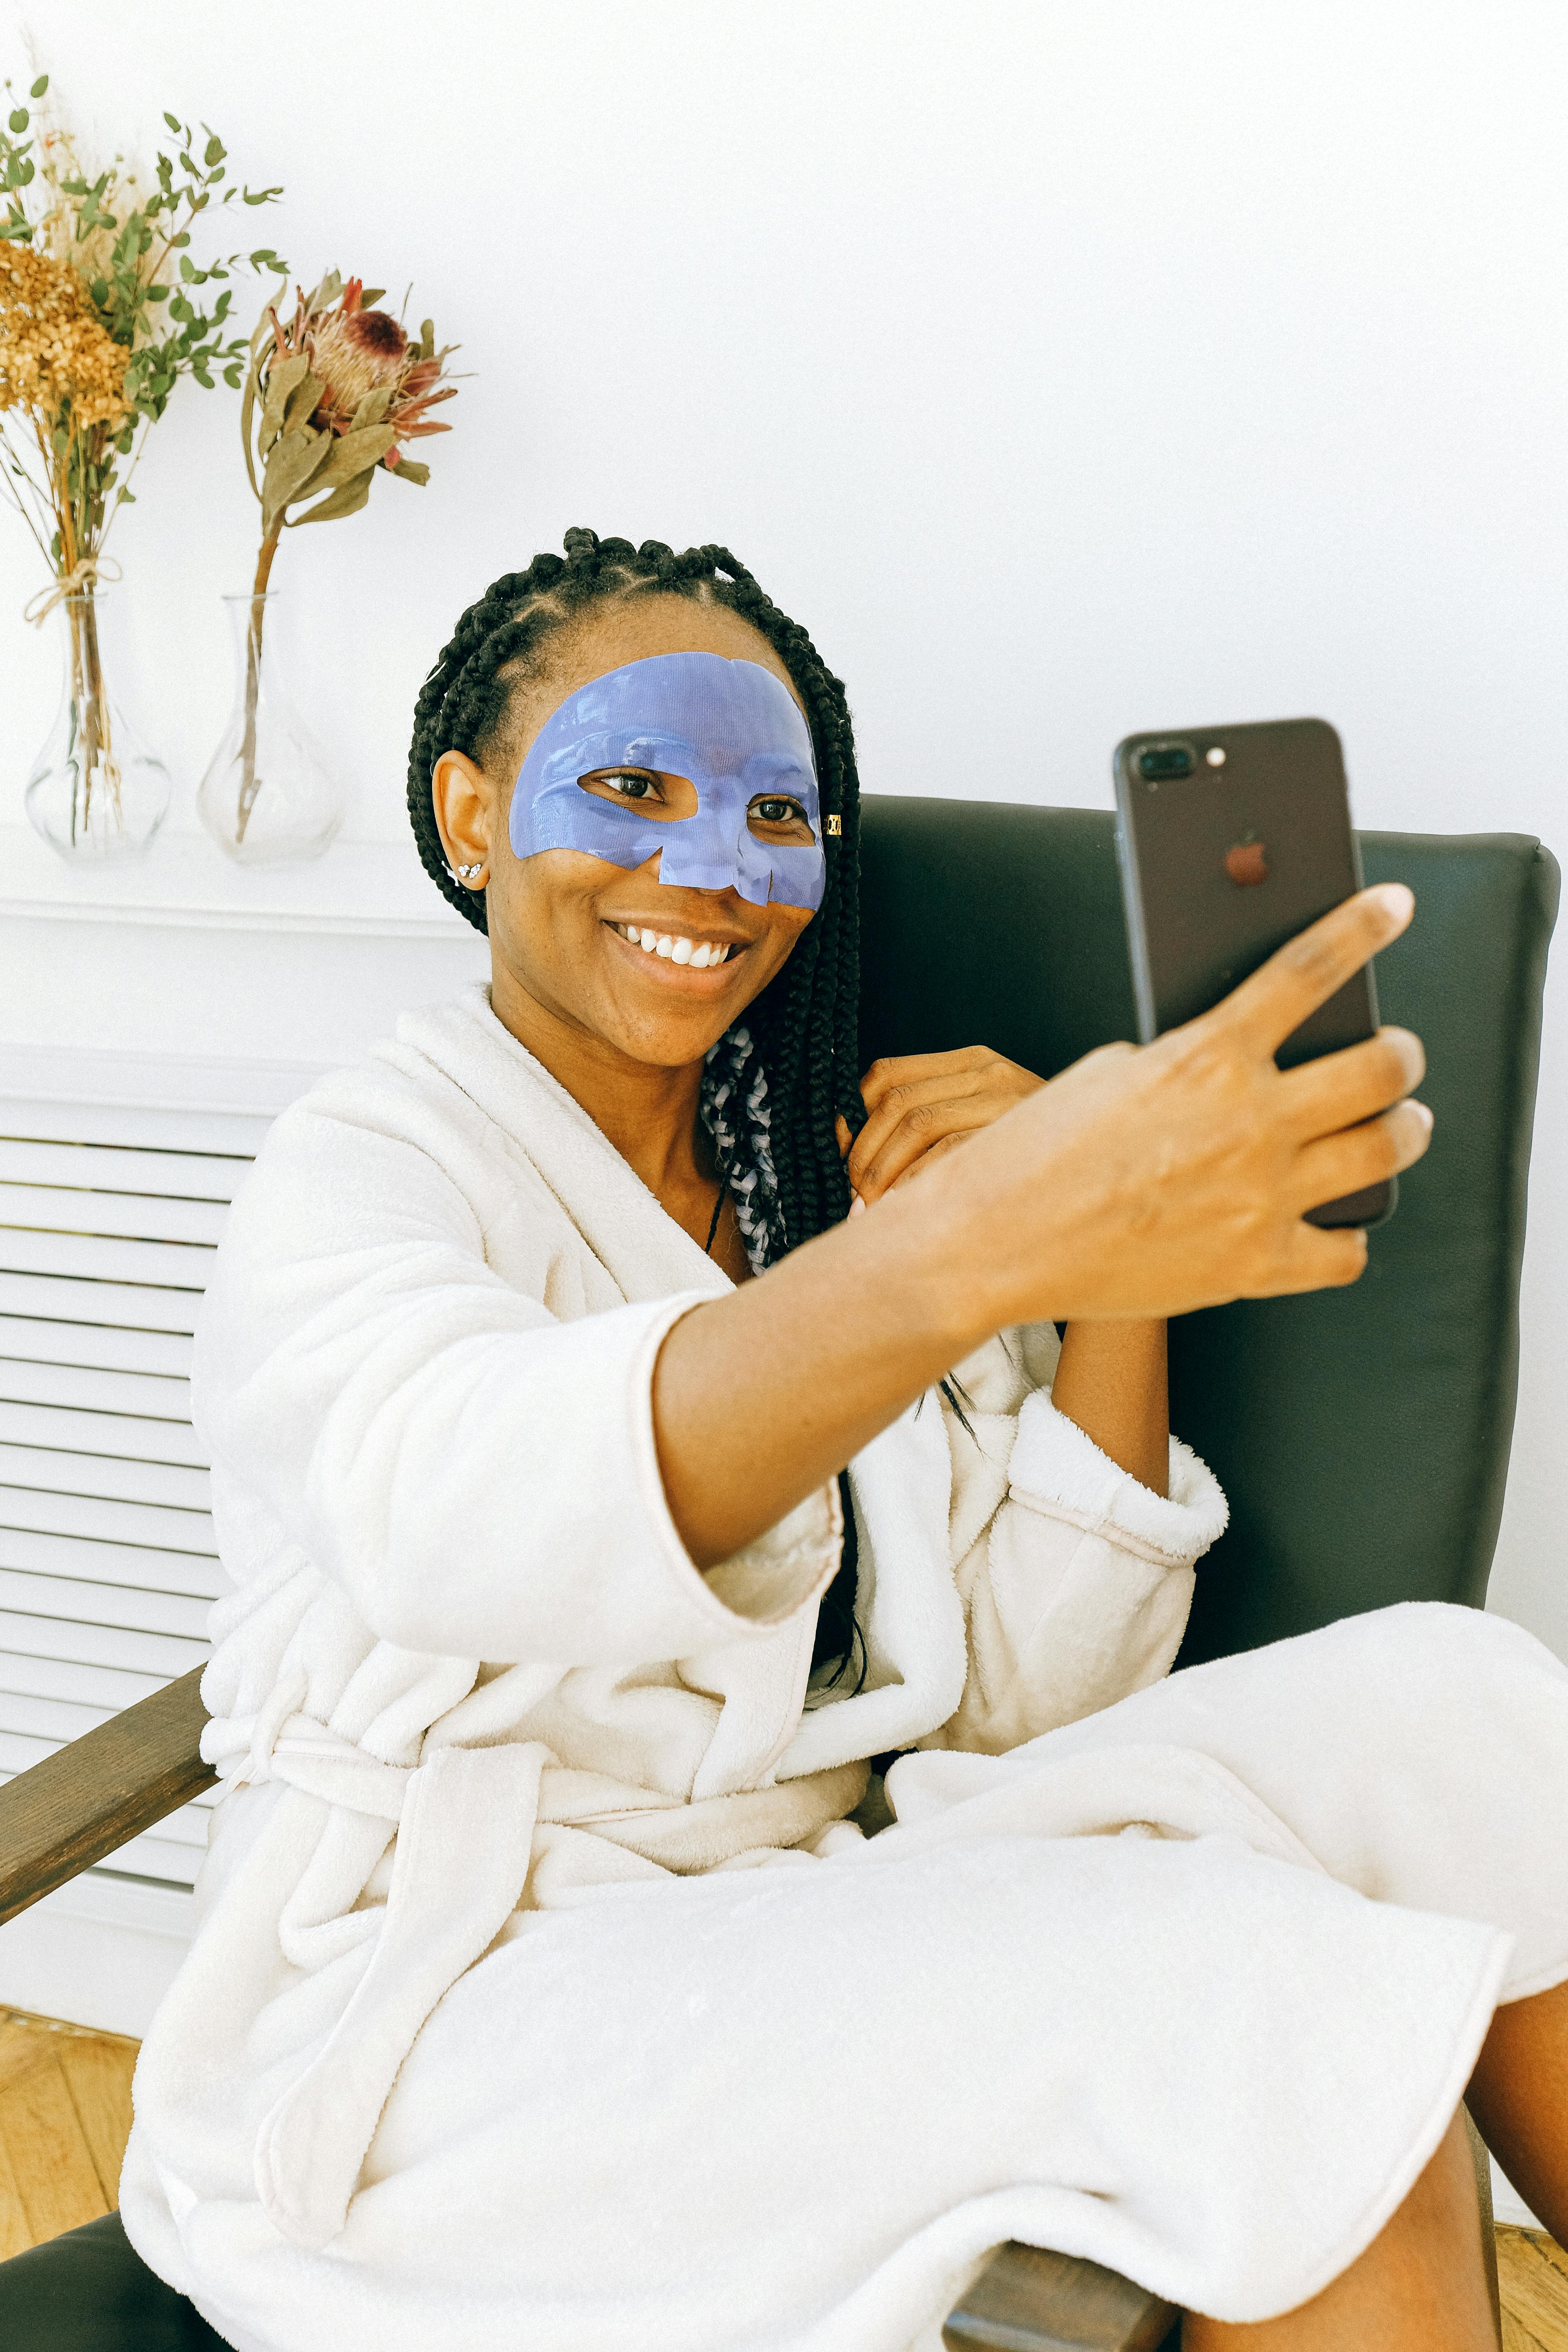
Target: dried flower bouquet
pixel 100 316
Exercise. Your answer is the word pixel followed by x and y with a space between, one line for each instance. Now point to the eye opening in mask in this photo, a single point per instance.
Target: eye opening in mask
pixel 663 798
pixel 778 816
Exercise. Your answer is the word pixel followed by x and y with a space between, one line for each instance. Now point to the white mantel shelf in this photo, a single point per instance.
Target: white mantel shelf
pixel 374 890
pixel 179 956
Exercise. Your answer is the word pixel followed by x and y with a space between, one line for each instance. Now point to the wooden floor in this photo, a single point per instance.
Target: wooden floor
pixel 65 2114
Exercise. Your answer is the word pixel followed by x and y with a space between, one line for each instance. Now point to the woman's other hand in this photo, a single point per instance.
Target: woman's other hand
pixel 919 1105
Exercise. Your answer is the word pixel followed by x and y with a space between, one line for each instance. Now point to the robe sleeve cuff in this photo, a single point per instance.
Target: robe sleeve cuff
pixel 1056 1469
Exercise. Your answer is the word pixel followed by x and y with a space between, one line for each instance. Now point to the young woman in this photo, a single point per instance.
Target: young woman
pixel 628 1432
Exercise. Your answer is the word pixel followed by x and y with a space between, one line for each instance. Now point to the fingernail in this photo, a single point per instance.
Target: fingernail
pixel 1397 897
pixel 1424 1111
pixel 857 1205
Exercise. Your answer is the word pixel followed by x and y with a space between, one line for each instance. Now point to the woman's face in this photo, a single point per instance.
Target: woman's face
pixel 561 921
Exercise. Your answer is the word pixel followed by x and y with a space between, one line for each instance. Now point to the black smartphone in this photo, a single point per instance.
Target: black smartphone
pixel 1231 840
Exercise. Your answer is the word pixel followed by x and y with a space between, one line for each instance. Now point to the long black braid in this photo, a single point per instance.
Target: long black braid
pixel 778 1082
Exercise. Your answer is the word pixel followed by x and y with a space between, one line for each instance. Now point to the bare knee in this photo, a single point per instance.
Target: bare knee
pixel 1420 2286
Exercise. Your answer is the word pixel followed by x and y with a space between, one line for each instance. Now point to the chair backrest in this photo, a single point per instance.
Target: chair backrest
pixel 1361 1434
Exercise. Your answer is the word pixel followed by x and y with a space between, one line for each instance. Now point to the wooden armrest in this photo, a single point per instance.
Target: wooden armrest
pixel 61 1816
pixel 1027 2300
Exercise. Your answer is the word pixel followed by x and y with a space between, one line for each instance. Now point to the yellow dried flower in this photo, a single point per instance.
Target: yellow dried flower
pixel 52 347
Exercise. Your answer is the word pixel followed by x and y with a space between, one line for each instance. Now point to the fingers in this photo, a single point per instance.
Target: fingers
pixel 907 1070
pixel 1314 1259
pixel 1307 970
pixel 1342 1089
pixel 910 1131
pixel 1369 1154
pixel 913 1100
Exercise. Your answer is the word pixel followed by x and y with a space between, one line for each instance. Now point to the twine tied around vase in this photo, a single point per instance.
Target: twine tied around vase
pixel 74 582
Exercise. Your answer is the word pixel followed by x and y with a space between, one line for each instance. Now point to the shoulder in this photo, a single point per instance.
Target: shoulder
pixel 398 1132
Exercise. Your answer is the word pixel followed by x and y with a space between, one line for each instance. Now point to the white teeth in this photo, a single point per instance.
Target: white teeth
pixel 701 955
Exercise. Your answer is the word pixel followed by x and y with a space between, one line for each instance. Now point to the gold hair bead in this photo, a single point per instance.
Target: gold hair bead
pixel 835 827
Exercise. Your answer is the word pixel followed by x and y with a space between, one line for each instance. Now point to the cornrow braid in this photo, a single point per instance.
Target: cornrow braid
pixel 775 1087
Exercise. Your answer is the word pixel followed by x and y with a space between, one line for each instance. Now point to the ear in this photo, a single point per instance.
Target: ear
pixel 464 801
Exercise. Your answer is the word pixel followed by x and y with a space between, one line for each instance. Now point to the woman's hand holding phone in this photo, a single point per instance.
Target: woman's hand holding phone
pixel 1143 1182
pixel 1156 1179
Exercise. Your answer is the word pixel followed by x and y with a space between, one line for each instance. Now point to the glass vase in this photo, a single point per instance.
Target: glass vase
pixel 95 791
pixel 267 797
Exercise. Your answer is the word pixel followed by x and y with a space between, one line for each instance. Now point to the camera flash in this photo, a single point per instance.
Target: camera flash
pixel 1215 755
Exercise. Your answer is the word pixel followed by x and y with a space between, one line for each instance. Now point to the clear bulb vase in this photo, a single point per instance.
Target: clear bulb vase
pixel 95 791
pixel 267 797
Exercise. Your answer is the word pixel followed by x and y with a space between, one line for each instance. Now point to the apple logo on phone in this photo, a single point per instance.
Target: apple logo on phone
pixel 1247 865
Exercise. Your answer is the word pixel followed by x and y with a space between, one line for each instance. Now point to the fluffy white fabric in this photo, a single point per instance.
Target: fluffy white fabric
pixel 543 1987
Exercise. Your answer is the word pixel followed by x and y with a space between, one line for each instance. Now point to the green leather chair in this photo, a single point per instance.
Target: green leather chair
pixel 1363 1436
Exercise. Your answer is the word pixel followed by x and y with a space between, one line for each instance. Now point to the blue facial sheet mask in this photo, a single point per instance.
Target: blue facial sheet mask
pixel 731 727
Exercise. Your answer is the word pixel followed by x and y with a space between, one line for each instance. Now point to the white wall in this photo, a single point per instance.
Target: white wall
pixel 1066 369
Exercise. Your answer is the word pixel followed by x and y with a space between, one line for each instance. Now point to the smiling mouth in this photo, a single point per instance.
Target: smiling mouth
pixel 675 947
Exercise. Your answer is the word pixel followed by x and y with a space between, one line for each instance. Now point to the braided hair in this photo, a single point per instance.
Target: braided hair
pixel 776 1082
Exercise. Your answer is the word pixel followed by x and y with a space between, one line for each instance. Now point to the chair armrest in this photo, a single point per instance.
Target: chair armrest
pixel 1027 2300
pixel 61 1816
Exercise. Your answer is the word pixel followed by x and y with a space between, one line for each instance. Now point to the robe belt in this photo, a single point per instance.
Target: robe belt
pixel 465 1837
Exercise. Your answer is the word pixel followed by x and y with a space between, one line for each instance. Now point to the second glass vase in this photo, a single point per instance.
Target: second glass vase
pixel 267 797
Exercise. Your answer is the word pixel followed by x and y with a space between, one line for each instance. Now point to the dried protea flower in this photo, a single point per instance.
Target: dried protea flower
pixel 54 354
pixel 367 369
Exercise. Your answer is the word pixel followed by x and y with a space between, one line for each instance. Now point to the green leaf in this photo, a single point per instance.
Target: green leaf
pixel 188 270
pixel 355 452
pixel 347 500
pixel 370 295
pixel 372 407
pixel 39 86
pixel 172 120
pixel 101 291
pixel 231 377
pixel 125 498
pixel 215 150
pixel 410 470
pixel 203 378
pixel 295 459
pixel 19 117
pixel 427 339
pixel 157 293
pixel 281 380
pixel 303 401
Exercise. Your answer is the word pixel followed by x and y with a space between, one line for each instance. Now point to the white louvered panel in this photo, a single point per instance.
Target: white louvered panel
pixel 111 1564
pixel 173 1485
pixel 124 1436
pixel 180 1267
pixel 50 1512
pixel 95 1347
pixel 162 1655
pixel 77 1602
pixel 98 1167
pixel 109 1218
pixel 121 1307
pixel 58 1209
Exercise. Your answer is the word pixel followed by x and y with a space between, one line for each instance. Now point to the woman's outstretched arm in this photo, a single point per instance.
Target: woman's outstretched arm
pixel 1111 1379
pixel 1140 1183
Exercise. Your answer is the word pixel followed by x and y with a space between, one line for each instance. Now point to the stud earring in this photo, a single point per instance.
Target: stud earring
pixel 468 873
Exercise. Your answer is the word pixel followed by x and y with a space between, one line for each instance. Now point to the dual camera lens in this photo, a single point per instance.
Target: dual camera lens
pixel 1160 763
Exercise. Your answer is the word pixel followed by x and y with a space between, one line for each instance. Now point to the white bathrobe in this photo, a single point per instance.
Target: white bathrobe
pixel 544 1994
